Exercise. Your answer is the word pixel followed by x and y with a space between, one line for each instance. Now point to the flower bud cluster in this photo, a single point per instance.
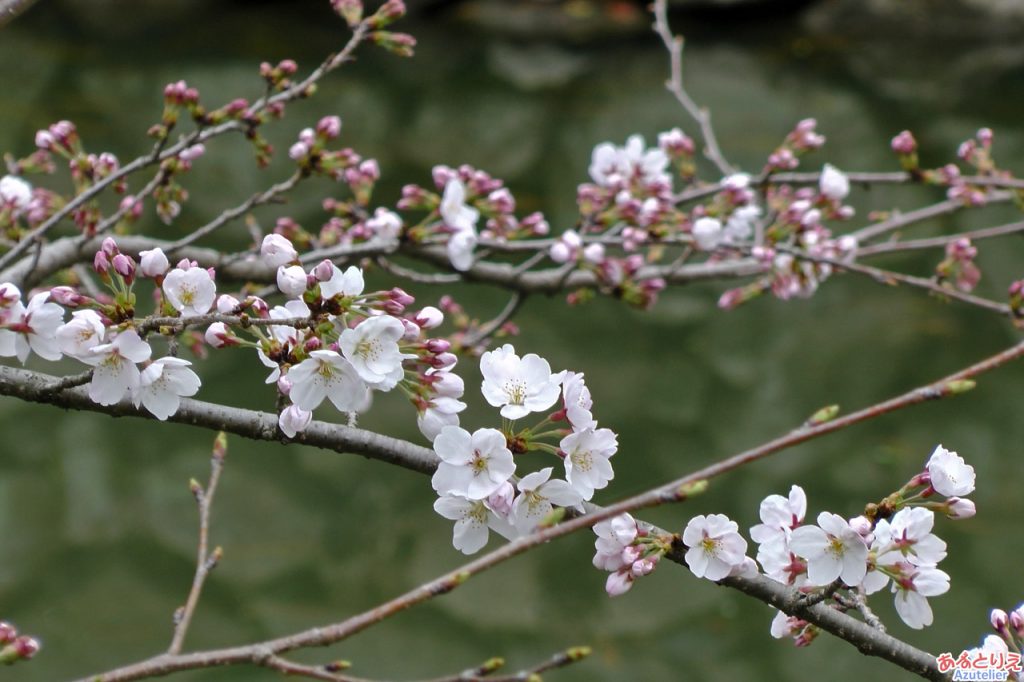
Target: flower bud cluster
pixel 15 647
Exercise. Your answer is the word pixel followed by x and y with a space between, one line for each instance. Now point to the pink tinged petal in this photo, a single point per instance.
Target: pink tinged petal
pixel 293 420
pixel 698 561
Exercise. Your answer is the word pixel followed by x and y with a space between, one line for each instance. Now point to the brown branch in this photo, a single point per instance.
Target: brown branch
pixel 867 640
pixel 940 242
pixel 295 91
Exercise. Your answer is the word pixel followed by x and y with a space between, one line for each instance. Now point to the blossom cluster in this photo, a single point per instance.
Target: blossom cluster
pixel 1002 651
pixel 891 544
pixel 467 194
pixel 475 480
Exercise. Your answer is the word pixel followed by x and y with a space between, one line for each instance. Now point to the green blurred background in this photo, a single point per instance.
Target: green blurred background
pixel 97 528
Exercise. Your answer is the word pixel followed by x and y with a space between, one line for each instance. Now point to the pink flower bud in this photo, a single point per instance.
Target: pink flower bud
pixel 1017 620
pixel 312 343
pixel 277 250
pixel 399 295
pixel 999 620
pixel 284 385
pixel 960 508
pixel 429 318
pixel 436 346
pixel 124 266
pixel 291 280
pixel 109 247
pixel 294 420
pixel 26 647
pixel 192 153
pixel 862 526
pixel 101 263
pixel 904 143
pixel 323 271
pixel 45 140
pixel 67 296
pixel 298 151
pixel 8 633
pixel 227 304
pixel 288 67
pixel 985 137
pixel 218 336
pixel 618 583
pixel 500 501
pixel 560 252
pixel 443 360
pixel 594 253
pixel 641 568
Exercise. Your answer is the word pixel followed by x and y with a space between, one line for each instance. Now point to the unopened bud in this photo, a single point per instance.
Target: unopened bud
pixel 825 414
pixel 999 620
pixel 220 446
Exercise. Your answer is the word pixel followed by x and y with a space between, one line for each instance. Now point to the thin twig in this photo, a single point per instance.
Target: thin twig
pixel 940 242
pixel 674 45
pixel 205 561
pixel 489 328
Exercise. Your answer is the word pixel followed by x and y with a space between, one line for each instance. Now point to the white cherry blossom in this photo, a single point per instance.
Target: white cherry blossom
pixel 372 348
pixel 586 459
pixel 114 372
pixel 326 374
pixel 716 547
pixel 190 292
pixel 472 465
pixel 83 332
pixel 455 213
pixel 950 474
pixel 707 232
pixel 460 249
pixel 912 589
pixel 34 328
pixel 537 495
pixel 779 515
pixel 472 521
pixel 832 549
pixel 15 192
pixel 163 384
pixel 577 401
pixel 517 385
pixel 613 536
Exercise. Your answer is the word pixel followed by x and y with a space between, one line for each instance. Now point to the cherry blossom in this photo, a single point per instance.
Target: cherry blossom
pixel 163 383
pixel 949 474
pixel 779 515
pixel 114 372
pixel 707 232
pixel 472 521
pixel 909 534
pixel 586 459
pixel 461 219
pixel 326 374
pixel 83 332
pixel 372 348
pixel 34 328
pixel 15 192
pixel 517 385
pixel 832 549
pixel 191 291
pixel 537 495
pixel 577 401
pixel 472 465
pixel 613 536
pixel 716 548
pixel 913 587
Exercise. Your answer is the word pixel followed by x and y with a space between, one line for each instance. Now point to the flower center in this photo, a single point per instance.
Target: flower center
pixel 368 350
pixel 710 546
pixel 582 460
pixel 515 389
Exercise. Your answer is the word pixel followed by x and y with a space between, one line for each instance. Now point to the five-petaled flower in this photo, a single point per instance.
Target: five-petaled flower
pixel 472 465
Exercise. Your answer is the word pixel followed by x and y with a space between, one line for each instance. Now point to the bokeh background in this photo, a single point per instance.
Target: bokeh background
pixel 97 528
